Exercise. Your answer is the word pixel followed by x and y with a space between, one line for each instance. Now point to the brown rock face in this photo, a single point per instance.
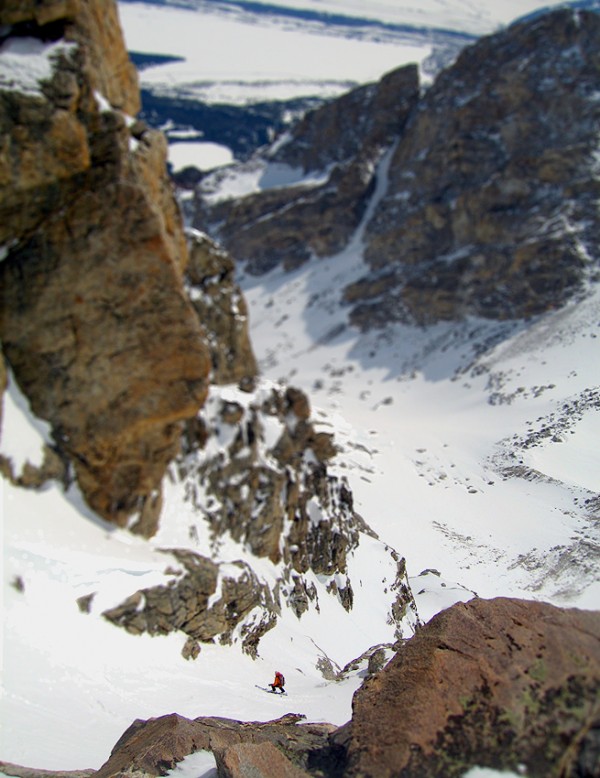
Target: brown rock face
pixel 490 202
pixel 262 760
pixel 281 748
pixel 95 322
pixel 497 683
pixel 354 125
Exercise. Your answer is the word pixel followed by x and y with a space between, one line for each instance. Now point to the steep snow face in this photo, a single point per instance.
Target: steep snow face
pixel 471 444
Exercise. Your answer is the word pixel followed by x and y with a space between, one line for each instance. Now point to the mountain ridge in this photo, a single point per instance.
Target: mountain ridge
pixel 482 211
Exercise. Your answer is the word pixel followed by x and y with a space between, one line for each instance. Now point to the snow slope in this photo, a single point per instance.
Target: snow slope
pixel 77 681
pixel 475 445
pixel 471 449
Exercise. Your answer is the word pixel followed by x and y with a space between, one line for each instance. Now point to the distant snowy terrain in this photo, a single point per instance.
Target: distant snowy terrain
pixel 470 448
pixel 231 55
pixel 199 55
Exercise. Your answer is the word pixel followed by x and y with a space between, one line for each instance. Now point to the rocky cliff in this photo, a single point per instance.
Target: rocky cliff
pixel 221 307
pixel 489 208
pixel 93 256
pixel 487 182
pixel 254 467
pixel 340 145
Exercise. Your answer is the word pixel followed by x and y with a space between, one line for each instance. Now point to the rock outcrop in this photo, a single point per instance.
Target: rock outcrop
pixel 222 309
pixel 284 747
pixel 488 192
pixel 490 205
pixel 506 684
pixel 255 467
pixel 342 142
pixel 270 489
pixel 204 601
pixel 95 323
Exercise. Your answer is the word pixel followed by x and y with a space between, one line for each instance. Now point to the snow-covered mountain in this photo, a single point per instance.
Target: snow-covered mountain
pixel 231 74
pixel 470 448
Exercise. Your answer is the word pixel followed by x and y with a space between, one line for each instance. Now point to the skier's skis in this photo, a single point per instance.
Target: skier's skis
pixel 271 691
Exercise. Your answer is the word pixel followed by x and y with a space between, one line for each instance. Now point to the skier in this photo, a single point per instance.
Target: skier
pixel 278 683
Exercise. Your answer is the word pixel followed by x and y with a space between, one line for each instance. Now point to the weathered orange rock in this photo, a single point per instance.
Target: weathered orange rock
pixel 259 760
pixel 95 322
pixel 497 683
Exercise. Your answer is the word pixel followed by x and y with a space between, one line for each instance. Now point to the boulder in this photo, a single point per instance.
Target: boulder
pixel 151 748
pixel 256 760
pixel 505 684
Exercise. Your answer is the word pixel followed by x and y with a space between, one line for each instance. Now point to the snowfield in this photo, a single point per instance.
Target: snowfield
pixel 470 448
pixel 235 57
